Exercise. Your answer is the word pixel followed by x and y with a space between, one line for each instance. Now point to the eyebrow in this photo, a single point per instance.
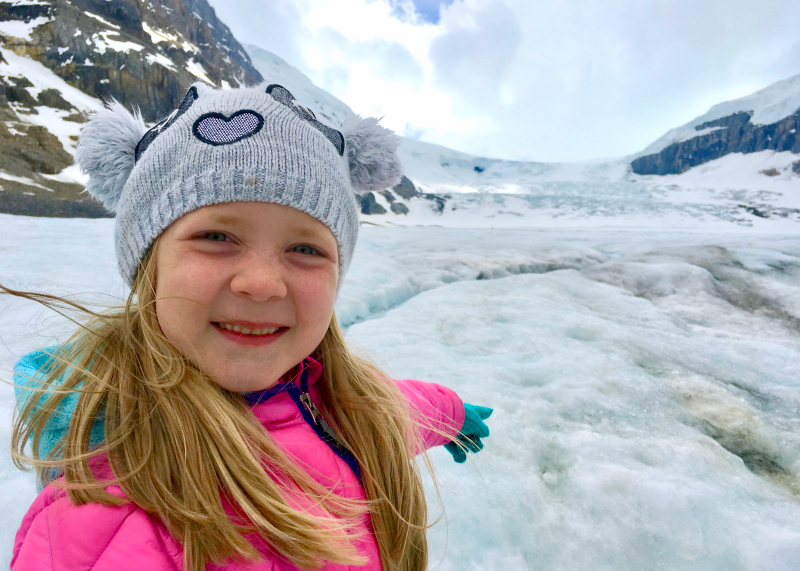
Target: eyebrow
pixel 224 219
pixel 306 233
pixel 230 220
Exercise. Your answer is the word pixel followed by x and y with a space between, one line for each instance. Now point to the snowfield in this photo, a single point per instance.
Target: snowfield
pixel 646 383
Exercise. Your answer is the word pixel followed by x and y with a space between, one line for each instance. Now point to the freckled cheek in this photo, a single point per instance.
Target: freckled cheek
pixel 192 280
pixel 317 296
pixel 183 296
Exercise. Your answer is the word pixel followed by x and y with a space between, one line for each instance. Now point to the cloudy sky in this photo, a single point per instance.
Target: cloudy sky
pixel 562 80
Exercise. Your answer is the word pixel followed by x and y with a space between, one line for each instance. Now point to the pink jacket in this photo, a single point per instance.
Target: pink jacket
pixel 57 535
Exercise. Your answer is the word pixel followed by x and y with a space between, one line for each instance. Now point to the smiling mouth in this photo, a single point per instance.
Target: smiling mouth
pixel 253 332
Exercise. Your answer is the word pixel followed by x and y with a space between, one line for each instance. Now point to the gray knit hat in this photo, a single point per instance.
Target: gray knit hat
pixel 248 144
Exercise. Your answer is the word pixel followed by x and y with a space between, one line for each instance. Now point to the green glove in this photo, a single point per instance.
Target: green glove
pixel 471 433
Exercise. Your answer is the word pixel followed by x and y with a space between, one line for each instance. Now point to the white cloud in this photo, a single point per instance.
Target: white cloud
pixel 530 79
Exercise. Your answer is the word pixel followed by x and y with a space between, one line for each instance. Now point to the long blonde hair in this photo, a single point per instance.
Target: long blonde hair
pixel 177 443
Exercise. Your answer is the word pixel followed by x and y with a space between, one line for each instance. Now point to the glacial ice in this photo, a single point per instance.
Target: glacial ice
pixel 646 384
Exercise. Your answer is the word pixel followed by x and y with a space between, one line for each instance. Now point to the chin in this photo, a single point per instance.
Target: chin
pixel 244 381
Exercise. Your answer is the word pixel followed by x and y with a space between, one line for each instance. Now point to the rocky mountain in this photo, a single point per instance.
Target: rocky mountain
pixel 60 58
pixel 768 120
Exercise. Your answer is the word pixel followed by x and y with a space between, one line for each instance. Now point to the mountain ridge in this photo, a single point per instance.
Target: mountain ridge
pixel 59 59
pixel 42 108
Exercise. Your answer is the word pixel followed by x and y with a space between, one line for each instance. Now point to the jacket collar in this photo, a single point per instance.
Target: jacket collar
pixel 310 366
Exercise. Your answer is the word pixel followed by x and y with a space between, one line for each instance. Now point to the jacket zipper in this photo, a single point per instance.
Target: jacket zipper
pixel 317 422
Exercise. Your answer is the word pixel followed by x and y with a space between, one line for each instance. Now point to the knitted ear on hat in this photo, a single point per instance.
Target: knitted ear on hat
pixel 106 151
pixel 372 154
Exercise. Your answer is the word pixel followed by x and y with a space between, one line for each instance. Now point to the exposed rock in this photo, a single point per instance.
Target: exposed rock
pixel 20 81
pixel 223 36
pixel 16 94
pixel 6 113
pixel 399 208
pixel 36 150
pixel 405 189
pixel 121 60
pixel 52 98
pixel 387 194
pixel 796 167
pixel 370 206
pixel 735 134
pixel 77 118
pixel 754 211
pixel 770 172
pixel 438 201
pixel 17 198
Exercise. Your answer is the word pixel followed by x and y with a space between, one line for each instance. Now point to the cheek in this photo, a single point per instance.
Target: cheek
pixel 180 297
pixel 317 298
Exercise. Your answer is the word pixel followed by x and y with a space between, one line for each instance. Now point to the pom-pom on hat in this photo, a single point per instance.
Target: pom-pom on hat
pixel 249 144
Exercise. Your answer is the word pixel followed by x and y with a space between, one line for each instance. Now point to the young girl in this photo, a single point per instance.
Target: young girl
pixel 218 420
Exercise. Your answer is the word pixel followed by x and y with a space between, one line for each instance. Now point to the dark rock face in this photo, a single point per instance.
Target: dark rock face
pixel 796 167
pixel 34 150
pixel 405 189
pixel 438 201
pixel 141 53
pixel 122 60
pixel 223 36
pixel 735 134
pixel 52 98
pixel 370 206
pixel 22 202
pixel 399 208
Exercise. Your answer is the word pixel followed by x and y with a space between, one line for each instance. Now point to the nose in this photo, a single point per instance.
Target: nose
pixel 260 277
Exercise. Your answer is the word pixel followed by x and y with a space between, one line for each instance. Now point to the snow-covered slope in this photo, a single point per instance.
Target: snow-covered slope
pixel 451 188
pixel 768 105
pixel 443 186
pixel 275 70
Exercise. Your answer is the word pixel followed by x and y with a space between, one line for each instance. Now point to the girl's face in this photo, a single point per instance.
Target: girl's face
pixel 266 269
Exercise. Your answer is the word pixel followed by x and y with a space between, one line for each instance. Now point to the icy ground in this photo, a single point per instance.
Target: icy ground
pixel 646 385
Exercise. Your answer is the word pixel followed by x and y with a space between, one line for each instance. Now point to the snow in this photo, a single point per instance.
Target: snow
pixel 43 78
pixel 486 192
pixel 645 383
pixel 20 29
pixel 699 133
pixel 21 179
pixel 160 59
pixel 768 105
pixel 158 35
pixel 196 69
pixel 70 174
pixel 102 21
pixel 740 171
pixel 103 42
pixel 189 47
pixel 275 70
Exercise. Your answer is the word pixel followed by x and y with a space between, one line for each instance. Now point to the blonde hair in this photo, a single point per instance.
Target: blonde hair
pixel 177 443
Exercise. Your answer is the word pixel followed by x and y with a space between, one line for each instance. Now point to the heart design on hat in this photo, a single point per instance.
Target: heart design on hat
pixel 217 129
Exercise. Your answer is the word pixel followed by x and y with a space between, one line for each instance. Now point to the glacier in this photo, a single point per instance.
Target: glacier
pixel 645 382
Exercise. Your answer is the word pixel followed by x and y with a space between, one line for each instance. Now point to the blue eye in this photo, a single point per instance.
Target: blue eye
pixel 215 236
pixel 305 249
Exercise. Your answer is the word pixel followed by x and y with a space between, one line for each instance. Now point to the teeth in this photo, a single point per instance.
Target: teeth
pixel 246 331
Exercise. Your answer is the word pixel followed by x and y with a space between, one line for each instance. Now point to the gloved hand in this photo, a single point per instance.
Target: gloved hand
pixel 471 433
